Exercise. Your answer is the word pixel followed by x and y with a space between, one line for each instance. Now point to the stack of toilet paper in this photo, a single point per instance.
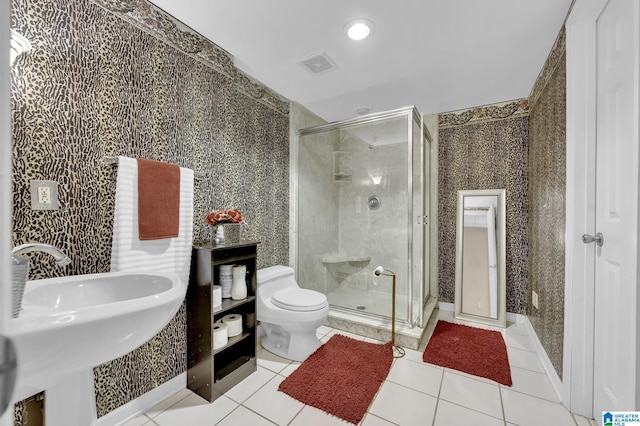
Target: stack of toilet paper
pixel 228 326
pixel 226 280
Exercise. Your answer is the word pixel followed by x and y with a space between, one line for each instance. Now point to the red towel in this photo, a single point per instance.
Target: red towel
pixel 158 200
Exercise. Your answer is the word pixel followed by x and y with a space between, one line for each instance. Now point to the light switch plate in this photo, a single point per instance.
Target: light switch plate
pixel 48 188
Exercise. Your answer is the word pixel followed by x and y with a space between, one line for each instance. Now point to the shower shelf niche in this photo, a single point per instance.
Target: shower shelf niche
pixel 342 265
pixel 345 258
pixel 342 166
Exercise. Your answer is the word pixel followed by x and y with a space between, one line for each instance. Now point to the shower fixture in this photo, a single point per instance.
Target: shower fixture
pixel 374 202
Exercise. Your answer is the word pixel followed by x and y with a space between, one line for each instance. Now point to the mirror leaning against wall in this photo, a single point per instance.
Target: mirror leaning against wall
pixel 480 293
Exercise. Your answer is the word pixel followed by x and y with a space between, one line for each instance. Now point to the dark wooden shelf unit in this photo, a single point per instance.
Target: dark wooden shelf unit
pixel 210 373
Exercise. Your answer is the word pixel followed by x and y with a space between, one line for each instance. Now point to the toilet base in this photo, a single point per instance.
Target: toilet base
pixel 296 346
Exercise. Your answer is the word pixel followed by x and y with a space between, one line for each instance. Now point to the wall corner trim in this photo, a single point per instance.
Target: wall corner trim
pixel 548 68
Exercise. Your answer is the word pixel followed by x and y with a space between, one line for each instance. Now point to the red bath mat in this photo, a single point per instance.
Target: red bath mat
pixel 469 349
pixel 341 377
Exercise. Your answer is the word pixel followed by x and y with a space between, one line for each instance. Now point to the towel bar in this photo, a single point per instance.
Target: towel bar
pixel 110 159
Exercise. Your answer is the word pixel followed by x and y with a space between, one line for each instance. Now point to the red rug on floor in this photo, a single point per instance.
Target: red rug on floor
pixel 341 377
pixel 473 350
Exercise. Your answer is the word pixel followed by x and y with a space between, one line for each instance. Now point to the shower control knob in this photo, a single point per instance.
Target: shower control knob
pixel 374 202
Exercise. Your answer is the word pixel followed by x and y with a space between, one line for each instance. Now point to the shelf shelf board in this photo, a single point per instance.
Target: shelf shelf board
pixel 232 341
pixel 228 304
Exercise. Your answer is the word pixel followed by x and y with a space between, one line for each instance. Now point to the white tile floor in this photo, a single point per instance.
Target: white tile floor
pixel 414 393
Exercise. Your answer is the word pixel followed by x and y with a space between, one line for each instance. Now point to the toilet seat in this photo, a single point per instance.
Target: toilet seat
pixel 299 299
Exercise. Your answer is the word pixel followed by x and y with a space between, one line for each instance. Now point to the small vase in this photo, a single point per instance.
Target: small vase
pixel 227 233
pixel 239 287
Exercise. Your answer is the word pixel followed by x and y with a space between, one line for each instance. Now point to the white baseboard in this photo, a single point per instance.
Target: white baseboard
pixel 144 403
pixel 445 306
pixel 542 354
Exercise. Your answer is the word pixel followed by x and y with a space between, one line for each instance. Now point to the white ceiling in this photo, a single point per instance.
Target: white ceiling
pixel 439 55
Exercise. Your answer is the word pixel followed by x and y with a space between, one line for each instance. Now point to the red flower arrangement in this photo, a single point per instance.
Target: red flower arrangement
pixel 224 216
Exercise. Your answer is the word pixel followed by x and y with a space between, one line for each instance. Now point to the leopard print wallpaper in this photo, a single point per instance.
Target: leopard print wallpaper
pixel 121 77
pixel 547 189
pixel 485 148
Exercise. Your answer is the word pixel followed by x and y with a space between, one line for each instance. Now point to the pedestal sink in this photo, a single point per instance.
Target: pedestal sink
pixel 71 324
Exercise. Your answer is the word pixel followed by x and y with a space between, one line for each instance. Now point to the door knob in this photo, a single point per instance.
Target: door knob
pixel 598 239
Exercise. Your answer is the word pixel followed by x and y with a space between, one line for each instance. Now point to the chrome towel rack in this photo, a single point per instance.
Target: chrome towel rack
pixel 111 160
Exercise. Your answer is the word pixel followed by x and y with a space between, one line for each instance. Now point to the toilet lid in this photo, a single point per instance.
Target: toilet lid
pixel 299 299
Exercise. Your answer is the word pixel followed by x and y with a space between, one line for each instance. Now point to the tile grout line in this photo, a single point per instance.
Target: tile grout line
pixel 435 410
pixel 476 411
pixel 504 415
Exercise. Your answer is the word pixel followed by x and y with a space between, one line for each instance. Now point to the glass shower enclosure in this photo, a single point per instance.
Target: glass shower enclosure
pixel 360 190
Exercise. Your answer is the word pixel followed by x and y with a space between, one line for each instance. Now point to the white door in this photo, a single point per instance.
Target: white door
pixel 616 262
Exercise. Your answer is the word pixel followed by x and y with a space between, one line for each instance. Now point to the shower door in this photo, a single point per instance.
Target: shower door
pixel 360 205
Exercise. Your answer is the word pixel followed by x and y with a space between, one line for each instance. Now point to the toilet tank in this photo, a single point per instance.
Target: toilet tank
pixel 275 278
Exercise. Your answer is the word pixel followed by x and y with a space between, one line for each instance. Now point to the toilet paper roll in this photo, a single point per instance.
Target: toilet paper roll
pixel 217 296
pixel 220 335
pixel 233 323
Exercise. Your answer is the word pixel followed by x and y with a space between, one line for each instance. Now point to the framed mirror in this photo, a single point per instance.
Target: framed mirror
pixel 480 293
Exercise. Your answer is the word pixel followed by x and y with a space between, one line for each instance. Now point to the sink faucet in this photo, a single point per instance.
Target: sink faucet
pixel 60 258
pixel 21 268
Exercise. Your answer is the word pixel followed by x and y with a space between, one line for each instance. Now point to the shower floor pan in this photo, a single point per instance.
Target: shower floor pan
pixel 368 314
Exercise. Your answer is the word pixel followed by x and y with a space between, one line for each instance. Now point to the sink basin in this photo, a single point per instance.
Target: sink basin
pixel 77 322
pixel 93 290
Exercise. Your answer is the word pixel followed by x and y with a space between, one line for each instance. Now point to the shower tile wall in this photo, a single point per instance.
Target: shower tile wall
pixel 381 233
pixel 318 202
pixel 547 189
pixel 302 118
pixel 485 148
pixel 109 77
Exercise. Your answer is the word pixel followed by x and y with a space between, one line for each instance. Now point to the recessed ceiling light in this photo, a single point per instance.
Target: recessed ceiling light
pixel 362 110
pixel 359 29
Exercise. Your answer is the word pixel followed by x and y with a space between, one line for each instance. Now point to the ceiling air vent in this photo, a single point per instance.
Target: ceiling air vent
pixel 318 63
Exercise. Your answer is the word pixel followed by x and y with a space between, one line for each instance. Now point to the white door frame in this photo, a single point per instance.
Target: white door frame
pixel 577 369
pixel 577 392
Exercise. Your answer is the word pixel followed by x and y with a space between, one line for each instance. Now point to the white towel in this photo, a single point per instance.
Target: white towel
pixel 128 252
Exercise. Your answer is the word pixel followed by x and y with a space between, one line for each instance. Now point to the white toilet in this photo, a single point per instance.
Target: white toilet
pixel 289 315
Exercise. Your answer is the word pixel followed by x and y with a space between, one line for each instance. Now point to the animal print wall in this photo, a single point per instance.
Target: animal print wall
pixel 547 189
pixel 121 77
pixel 485 148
